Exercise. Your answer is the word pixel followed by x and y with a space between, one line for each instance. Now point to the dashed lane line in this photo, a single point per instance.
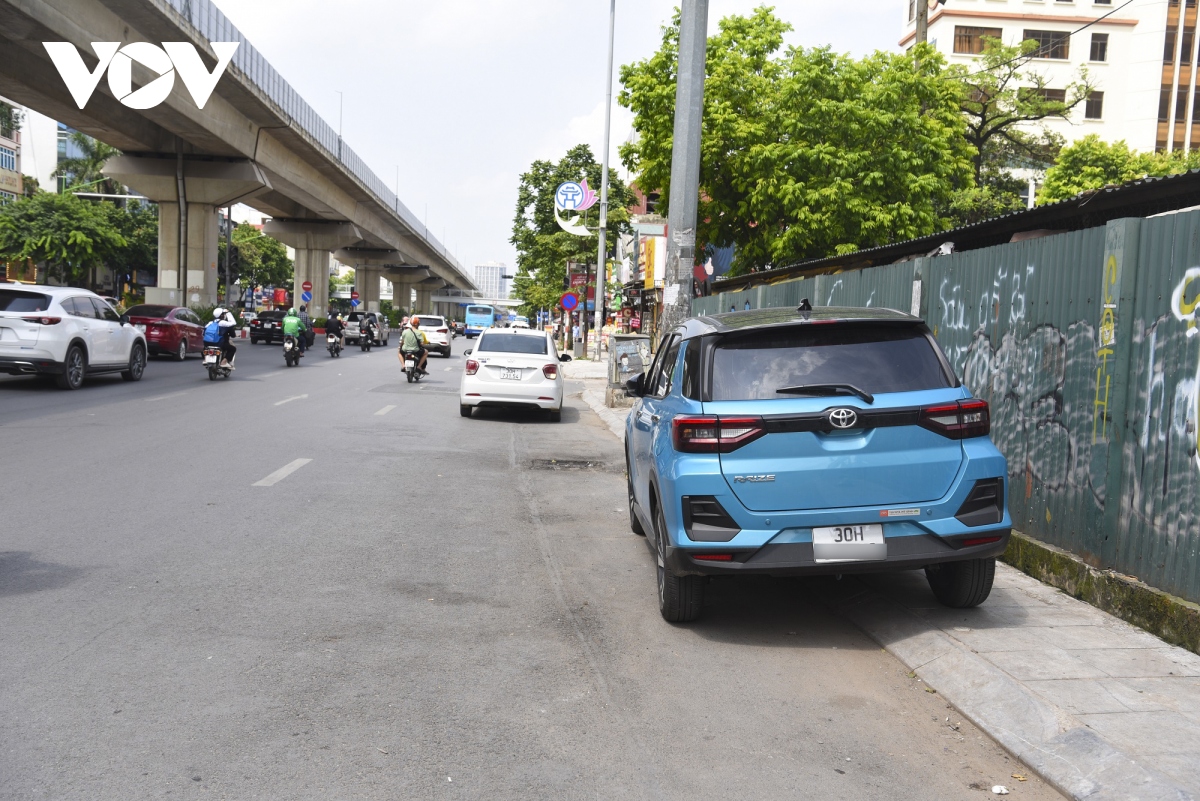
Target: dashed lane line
pixel 289 400
pixel 384 411
pixel 165 397
pixel 281 473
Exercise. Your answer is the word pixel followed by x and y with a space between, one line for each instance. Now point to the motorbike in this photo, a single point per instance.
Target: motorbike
pixel 410 368
pixel 291 350
pixel 334 345
pixel 212 363
pixel 366 339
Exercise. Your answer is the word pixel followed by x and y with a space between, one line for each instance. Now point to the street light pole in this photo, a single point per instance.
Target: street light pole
pixel 602 249
pixel 340 99
pixel 685 165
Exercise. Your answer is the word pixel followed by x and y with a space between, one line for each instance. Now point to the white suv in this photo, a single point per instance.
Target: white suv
pixel 66 332
pixel 438 331
pixel 382 332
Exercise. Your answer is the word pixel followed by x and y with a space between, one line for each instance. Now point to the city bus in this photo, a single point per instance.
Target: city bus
pixel 478 317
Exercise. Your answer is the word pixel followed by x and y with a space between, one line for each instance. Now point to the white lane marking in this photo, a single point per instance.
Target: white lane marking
pixel 164 397
pixel 268 375
pixel 281 473
pixel 448 369
pixel 289 400
pixel 384 411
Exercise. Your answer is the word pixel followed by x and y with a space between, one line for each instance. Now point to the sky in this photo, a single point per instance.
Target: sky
pixel 463 95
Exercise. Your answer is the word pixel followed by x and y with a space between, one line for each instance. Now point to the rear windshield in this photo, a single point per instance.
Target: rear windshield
pixel 479 310
pixel 148 310
pixel 271 315
pixel 512 343
pixel 14 300
pixel 432 322
pixel 876 359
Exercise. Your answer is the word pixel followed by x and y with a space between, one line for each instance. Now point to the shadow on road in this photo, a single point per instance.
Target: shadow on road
pixel 20 573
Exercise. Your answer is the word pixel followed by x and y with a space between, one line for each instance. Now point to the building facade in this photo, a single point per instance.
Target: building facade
pixel 491 280
pixel 11 186
pixel 1141 56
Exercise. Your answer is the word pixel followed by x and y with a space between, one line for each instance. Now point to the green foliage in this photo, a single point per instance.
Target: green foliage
pixel 10 117
pixel 70 235
pixel 978 203
pixel 137 223
pixel 805 153
pixel 543 248
pixel 83 172
pixel 257 258
pixel 393 314
pixel 1090 163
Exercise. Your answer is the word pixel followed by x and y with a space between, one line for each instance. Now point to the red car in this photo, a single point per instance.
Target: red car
pixel 170 330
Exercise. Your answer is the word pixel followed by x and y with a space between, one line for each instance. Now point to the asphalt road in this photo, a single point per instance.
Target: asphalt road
pixel 431 607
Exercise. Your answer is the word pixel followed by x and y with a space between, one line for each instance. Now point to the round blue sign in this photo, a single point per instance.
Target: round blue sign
pixel 354 302
pixel 568 301
pixel 306 296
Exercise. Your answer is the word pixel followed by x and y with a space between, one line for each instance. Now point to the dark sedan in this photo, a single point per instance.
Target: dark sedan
pixel 267 327
pixel 170 330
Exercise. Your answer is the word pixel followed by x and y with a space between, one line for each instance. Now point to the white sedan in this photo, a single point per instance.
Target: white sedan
pixel 513 367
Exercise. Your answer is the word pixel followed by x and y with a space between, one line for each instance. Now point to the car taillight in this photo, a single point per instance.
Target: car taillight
pixel 709 434
pixel 443 331
pixel 472 367
pixel 43 320
pixel 713 557
pixel 550 371
pixel 960 420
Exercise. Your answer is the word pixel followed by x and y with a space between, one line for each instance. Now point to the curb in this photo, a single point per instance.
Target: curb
pixel 614 420
pixel 1058 747
pixel 1164 615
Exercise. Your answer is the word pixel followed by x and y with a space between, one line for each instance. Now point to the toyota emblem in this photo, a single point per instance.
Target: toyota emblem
pixel 843 418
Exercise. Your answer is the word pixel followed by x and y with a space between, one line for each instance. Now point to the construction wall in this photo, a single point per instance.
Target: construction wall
pixel 1085 346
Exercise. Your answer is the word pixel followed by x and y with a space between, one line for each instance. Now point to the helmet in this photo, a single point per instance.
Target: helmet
pixel 414 321
pixel 218 313
pixel 292 310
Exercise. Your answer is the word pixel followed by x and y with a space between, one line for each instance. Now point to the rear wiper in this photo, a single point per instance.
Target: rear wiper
pixel 827 389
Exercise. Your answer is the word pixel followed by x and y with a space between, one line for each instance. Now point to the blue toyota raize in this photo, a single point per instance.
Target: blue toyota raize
pixel 812 441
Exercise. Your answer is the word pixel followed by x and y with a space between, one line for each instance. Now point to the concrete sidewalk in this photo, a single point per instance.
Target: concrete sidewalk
pixel 1099 708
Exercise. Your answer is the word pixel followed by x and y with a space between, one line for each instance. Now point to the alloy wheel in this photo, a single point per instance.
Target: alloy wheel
pixel 181 352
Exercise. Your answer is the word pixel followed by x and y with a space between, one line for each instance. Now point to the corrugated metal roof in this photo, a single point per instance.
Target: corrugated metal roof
pixel 1142 198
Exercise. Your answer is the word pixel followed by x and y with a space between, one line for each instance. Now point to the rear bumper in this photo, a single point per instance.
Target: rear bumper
pixel 19 365
pixel 796 558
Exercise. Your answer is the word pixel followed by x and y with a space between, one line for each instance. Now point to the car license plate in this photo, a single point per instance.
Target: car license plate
pixel 513 373
pixel 849 543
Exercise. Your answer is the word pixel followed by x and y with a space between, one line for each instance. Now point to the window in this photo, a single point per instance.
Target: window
pixel 1051 44
pixel 1169 48
pixel 876 359
pixel 912 10
pixel 103 310
pixel 656 366
pixel 970 40
pixel 1181 104
pixel 8 159
pixel 1164 104
pixel 80 307
pixel 1047 95
pixel 491 342
pixel 15 300
pixel 1099 47
pixel 1185 45
pixel 1102 2
pixel 1093 109
pixel 663 385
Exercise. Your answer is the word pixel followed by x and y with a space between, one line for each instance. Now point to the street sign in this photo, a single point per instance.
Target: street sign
pixel 354 295
pixel 306 296
pixel 306 286
pixel 354 302
pixel 568 301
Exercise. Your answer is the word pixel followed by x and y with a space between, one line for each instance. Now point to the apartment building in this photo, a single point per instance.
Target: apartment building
pixel 491 280
pixel 11 185
pixel 1141 55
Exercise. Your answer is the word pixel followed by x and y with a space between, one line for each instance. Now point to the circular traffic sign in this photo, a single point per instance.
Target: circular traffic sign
pixel 306 286
pixel 306 297
pixel 354 302
pixel 354 295
pixel 568 301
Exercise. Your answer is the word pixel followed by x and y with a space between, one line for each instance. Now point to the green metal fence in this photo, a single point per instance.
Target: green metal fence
pixel 1085 344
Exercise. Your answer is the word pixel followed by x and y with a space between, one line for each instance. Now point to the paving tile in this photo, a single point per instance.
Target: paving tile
pixel 1042 664
pixel 987 640
pixel 1079 696
pixel 1145 695
pixel 1183 768
pixel 1178 693
pixel 1130 662
pixel 1147 733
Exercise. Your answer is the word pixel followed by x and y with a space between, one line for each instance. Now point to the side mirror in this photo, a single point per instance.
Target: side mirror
pixel 564 357
pixel 124 319
pixel 634 385
pixel 467 352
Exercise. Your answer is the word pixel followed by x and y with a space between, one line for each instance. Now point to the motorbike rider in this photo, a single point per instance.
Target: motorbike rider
pixel 413 340
pixel 367 328
pixel 335 326
pixel 293 327
pixel 226 324
pixel 307 327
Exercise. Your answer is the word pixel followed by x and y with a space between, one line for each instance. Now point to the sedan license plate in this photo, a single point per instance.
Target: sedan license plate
pixel 849 543
pixel 512 373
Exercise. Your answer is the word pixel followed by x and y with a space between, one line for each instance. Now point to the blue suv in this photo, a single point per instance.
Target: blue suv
pixel 812 441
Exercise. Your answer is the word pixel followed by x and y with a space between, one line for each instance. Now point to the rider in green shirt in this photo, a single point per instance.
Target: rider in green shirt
pixel 293 326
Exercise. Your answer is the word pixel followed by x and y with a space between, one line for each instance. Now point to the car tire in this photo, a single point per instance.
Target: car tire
pixel 554 415
pixel 635 525
pixel 137 363
pixel 181 351
pixel 465 411
pixel 962 585
pixel 253 340
pixel 680 598
pixel 446 352
pixel 74 369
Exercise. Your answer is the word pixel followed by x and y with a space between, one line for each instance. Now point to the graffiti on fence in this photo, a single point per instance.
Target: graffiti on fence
pixel 1107 347
pixel 1007 295
pixel 1184 309
pixel 1030 382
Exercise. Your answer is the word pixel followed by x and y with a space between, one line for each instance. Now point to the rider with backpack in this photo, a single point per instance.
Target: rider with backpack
pixel 218 332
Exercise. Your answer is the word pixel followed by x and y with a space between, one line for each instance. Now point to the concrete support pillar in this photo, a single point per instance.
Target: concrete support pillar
pixel 313 242
pixel 402 295
pixel 366 281
pixel 313 266
pixel 200 187
pixel 423 304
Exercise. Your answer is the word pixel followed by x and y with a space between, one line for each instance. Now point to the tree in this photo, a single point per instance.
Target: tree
pixel 543 248
pixel 83 172
pixel 137 223
pixel 1090 163
pixel 10 118
pixel 806 153
pixel 71 235
pixel 258 258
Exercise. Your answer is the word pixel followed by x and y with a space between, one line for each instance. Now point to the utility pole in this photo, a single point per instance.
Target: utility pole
pixel 340 99
pixel 685 165
pixel 228 249
pixel 602 250
pixel 922 22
